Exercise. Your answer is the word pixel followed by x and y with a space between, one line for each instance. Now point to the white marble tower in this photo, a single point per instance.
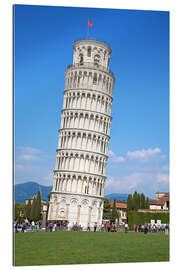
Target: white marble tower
pixel 79 177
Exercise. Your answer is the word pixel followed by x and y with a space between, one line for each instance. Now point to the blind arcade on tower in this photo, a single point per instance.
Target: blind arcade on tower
pixel 79 177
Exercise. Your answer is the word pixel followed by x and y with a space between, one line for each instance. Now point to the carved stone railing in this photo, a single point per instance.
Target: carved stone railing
pixel 93 39
pixel 90 65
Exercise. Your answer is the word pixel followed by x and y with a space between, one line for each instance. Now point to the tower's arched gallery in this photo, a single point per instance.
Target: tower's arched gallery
pixel 79 177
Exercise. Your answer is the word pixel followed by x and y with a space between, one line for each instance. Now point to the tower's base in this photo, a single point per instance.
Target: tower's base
pixel 76 209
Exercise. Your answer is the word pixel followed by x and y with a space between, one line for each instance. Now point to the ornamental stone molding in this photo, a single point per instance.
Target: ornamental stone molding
pixel 81 157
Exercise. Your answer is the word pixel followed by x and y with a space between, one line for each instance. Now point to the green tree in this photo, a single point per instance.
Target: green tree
pixel 16 211
pixel 38 206
pixel 48 196
pixel 129 202
pixel 33 211
pixel 107 209
pixel 143 201
pixel 147 203
pixel 135 201
pixel 19 212
pixel 138 201
pixel 114 213
pixel 28 209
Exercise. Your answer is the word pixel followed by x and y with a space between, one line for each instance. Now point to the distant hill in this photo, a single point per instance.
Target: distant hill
pixel 117 197
pixel 28 190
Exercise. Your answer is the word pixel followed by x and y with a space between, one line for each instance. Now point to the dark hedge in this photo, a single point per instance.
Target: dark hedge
pixel 135 217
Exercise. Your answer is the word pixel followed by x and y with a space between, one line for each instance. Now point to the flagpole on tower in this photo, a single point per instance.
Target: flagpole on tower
pixel 88 28
pixel 89 25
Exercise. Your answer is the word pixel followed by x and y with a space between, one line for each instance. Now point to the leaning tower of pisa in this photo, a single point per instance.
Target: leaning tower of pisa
pixel 79 177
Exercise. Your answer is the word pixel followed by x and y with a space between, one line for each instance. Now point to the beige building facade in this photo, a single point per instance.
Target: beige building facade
pixel 161 202
pixel 121 209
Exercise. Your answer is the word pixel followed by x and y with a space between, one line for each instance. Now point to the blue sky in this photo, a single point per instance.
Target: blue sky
pixel 139 145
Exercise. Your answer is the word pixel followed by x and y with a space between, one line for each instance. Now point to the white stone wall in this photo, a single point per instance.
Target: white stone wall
pixel 154 207
pixel 86 139
pixel 76 209
pixel 82 153
pixel 89 77
pixel 92 185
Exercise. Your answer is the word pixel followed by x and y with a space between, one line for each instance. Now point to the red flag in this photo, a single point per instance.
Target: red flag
pixel 90 23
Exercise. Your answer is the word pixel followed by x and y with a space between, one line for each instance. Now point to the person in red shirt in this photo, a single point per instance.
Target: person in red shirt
pixel 112 228
pixel 108 226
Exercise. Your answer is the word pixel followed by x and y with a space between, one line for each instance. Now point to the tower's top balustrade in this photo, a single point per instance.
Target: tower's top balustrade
pixel 93 41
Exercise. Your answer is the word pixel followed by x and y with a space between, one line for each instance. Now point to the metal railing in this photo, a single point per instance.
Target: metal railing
pixel 93 39
pixel 90 65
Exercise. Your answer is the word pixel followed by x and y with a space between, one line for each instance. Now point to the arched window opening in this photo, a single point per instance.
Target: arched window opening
pixel 81 59
pixel 89 52
pixel 108 61
pixel 95 78
pixel 96 59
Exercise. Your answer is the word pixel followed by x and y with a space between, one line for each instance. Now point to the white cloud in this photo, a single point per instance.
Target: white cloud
pixel 49 177
pixel 41 174
pixel 143 154
pixel 31 164
pixel 27 149
pixel 28 153
pixel 163 178
pixel 19 167
pixel 148 183
pixel 28 157
pixel 125 183
pixel 114 158
pixel 110 182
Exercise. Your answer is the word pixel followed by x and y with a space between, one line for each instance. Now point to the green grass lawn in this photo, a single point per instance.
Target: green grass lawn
pixel 56 248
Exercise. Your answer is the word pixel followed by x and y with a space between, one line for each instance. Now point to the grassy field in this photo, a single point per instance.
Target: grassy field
pixel 56 248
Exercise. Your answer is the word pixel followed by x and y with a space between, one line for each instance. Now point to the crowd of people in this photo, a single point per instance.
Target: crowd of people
pixel 35 226
pixel 53 226
pixel 27 226
pixel 151 228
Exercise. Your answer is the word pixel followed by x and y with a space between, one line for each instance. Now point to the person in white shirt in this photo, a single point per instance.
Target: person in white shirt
pixel 32 225
pixel 126 227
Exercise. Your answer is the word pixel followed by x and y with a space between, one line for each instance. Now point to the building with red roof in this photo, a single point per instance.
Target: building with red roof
pixel 161 202
pixel 122 210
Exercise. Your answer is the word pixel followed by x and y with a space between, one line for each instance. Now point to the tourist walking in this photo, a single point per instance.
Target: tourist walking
pixel 50 226
pixel 88 228
pixel 136 229
pixel 26 223
pixel 16 227
pixel 46 226
pixel 95 227
pixel 108 227
pixel 166 229
pixel 54 227
pixel 58 226
pixel 32 226
pixel 23 227
pixel 112 228
pixel 145 229
pixel 37 226
pixel 126 227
